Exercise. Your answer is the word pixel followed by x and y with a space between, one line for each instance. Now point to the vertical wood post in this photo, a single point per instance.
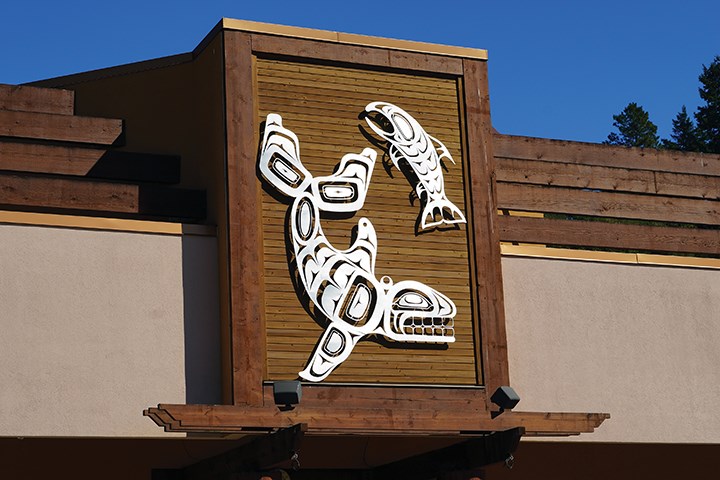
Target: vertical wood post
pixel 247 329
pixel 487 240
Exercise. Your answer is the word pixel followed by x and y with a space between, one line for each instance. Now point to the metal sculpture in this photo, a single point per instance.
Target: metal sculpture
pixel 341 284
pixel 423 153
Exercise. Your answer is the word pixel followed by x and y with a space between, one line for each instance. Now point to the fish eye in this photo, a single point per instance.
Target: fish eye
pixel 412 301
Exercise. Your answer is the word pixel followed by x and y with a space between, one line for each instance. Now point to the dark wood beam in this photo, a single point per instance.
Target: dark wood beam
pixel 607 178
pixel 488 271
pixel 545 149
pixel 33 99
pixel 580 233
pixel 88 162
pixel 466 456
pixel 363 55
pixel 534 198
pixel 244 224
pixel 63 128
pixel 29 192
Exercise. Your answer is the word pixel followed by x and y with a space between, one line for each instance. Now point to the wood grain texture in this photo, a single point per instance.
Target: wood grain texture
pixel 321 104
pixel 58 194
pixel 609 235
pixel 487 244
pixel 244 224
pixel 363 55
pixel 64 128
pixel 438 420
pixel 33 99
pixel 88 161
pixel 562 174
pixel 529 148
pixel 513 196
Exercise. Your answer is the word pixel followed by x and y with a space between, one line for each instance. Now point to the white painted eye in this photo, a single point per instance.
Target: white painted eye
pixel 285 171
pixel 413 301
pixel 305 219
pixel 360 302
pixel 337 192
pixel 334 343
pixel 403 126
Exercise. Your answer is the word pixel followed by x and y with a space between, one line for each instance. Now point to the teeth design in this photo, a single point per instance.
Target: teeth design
pixel 345 293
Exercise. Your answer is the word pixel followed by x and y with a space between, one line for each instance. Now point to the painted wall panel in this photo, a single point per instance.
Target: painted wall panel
pixel 639 342
pixel 93 329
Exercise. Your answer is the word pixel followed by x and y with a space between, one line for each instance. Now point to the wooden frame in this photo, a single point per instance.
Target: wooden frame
pixel 244 235
pixel 246 292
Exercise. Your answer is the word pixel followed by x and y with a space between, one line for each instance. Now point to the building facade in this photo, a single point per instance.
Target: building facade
pixel 303 253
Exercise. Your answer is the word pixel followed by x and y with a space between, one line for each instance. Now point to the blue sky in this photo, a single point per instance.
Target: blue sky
pixel 558 69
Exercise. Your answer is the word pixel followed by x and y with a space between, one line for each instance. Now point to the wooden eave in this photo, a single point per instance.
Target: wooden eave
pixel 373 410
pixel 225 419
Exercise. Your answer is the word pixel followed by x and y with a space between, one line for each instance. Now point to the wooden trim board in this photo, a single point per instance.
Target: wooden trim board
pixel 352 39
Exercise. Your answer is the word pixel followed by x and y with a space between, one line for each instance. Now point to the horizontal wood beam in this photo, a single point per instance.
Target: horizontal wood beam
pixel 580 233
pixel 88 161
pixel 513 196
pixel 388 397
pixel 364 55
pixel 607 178
pixel 33 99
pixel 348 420
pixel 543 149
pixel 63 128
pixel 56 194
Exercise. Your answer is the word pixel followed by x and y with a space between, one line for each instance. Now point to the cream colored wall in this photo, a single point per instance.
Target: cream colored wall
pixel 92 328
pixel 639 342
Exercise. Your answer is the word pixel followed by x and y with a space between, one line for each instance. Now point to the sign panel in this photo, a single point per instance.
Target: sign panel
pixel 366 264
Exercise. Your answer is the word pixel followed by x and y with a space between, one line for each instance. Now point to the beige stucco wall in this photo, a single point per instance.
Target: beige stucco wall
pixel 92 328
pixel 639 342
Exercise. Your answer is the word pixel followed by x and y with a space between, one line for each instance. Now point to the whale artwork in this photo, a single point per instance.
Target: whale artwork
pixel 408 141
pixel 346 296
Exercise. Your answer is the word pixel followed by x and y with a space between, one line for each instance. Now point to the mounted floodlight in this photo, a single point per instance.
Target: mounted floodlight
pixel 287 393
pixel 505 397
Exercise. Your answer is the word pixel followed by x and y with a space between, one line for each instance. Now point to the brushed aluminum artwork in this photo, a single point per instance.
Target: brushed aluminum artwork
pixel 409 142
pixel 341 286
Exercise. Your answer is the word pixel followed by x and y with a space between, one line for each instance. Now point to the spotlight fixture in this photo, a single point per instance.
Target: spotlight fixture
pixel 505 397
pixel 287 393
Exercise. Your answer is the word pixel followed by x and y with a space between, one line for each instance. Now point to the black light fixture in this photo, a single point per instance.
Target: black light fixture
pixel 287 393
pixel 505 397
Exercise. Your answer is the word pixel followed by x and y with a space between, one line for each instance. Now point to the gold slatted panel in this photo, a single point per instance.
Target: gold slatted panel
pixel 321 105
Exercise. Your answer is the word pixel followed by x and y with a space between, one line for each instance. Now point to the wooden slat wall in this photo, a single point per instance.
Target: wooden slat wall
pixel 552 176
pixel 321 105
pixel 51 160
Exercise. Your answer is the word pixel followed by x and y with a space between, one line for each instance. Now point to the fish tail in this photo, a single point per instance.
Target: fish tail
pixel 440 211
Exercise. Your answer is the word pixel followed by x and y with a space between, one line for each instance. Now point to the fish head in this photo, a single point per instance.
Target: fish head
pixel 394 124
pixel 419 313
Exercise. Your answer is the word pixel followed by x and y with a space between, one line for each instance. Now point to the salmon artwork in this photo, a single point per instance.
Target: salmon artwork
pixel 345 295
pixel 409 142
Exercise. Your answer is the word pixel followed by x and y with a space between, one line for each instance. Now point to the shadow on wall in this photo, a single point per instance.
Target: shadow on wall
pixel 202 320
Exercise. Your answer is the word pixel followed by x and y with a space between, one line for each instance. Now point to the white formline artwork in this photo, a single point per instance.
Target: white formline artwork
pixel 341 284
pixel 409 141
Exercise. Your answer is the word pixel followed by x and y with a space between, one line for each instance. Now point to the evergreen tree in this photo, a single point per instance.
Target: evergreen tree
pixel 708 115
pixel 634 129
pixel 684 134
